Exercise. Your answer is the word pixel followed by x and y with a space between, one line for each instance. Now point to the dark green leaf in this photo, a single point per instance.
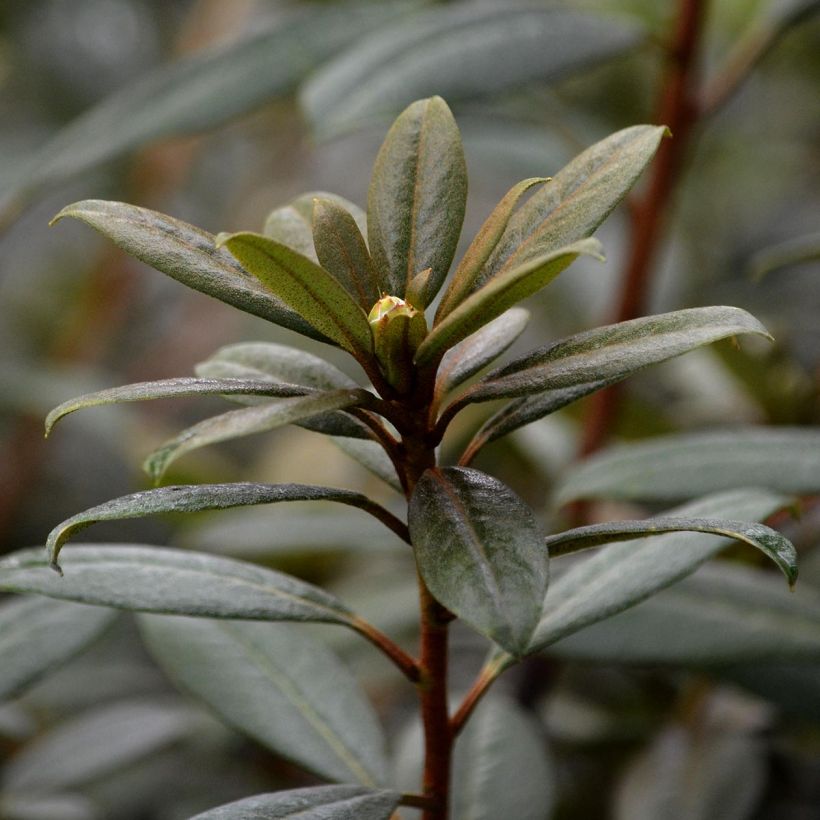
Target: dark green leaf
pixel 314 803
pixel 342 252
pixel 417 196
pixel 480 551
pixel 194 498
pixel 770 542
pixel 248 421
pixel 187 254
pixel 614 351
pixel 311 291
pixel 473 261
pixel 37 635
pixel 153 579
pixel 479 349
pixel 461 50
pixel 500 293
pixel 278 685
pixel 786 459
pixel 577 200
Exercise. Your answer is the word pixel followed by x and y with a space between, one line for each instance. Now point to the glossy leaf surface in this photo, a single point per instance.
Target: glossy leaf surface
pixel 786 459
pixel 500 293
pixel 155 579
pixel 187 254
pixel 278 685
pixel 480 551
pixel 417 197
pixel 313 803
pixel 197 497
pixel 37 635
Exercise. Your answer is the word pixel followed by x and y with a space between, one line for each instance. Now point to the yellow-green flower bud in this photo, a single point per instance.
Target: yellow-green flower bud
pixel 398 329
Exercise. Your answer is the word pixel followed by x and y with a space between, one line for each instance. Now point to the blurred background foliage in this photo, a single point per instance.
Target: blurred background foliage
pixel 217 112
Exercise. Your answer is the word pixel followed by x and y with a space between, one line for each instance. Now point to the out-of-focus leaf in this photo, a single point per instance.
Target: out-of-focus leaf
pixel 480 551
pixel 474 259
pixel 577 200
pixel 459 51
pixel 96 744
pixel 314 803
pixel 278 685
pixel 310 290
pixel 187 254
pixel 48 807
pixel 172 388
pixel 479 349
pixel 793 687
pixel 614 351
pixel 770 542
pixel 371 455
pixel 248 421
pixel 37 635
pixel 178 582
pixel 723 614
pixel 194 498
pixel 201 91
pixel 292 224
pixel 417 197
pixel 500 293
pixel 786 459
pixel 791 252
pixel 342 251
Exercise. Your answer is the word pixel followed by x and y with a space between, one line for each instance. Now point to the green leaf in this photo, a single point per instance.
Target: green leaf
pixel 38 635
pixel 473 261
pixel 723 614
pixel 313 803
pixel 785 254
pixel 97 743
pixel 770 542
pixel 48 807
pixel 179 582
pixel 577 200
pixel 194 498
pixel 372 456
pixel 248 421
pixel 172 388
pixel 342 252
pixel 785 459
pixel 479 349
pixel 459 51
pixel 627 573
pixel 613 352
pixel 417 197
pixel 292 224
pixel 500 293
pixel 187 254
pixel 480 551
pixel 311 291
pixel 200 92
pixel 278 685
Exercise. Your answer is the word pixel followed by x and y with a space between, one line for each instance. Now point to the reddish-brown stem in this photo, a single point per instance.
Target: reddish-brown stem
pixel 479 688
pixel 407 665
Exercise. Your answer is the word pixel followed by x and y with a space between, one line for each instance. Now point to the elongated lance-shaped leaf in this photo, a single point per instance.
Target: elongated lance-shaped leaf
pixel 313 803
pixel 172 388
pixel 498 294
pixel 577 199
pixel 372 456
pixel 37 635
pixel 187 254
pixel 417 197
pixel 342 251
pixel 310 290
pixel 480 551
pixel 786 459
pixel 479 349
pixel 197 497
pixel 473 261
pixel 459 50
pixel 292 224
pixel 248 421
pixel 614 351
pixel 175 582
pixel 278 685
pixel 770 542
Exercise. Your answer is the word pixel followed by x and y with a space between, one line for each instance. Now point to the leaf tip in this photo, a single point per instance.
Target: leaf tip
pixel 221 238
pixel 56 567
